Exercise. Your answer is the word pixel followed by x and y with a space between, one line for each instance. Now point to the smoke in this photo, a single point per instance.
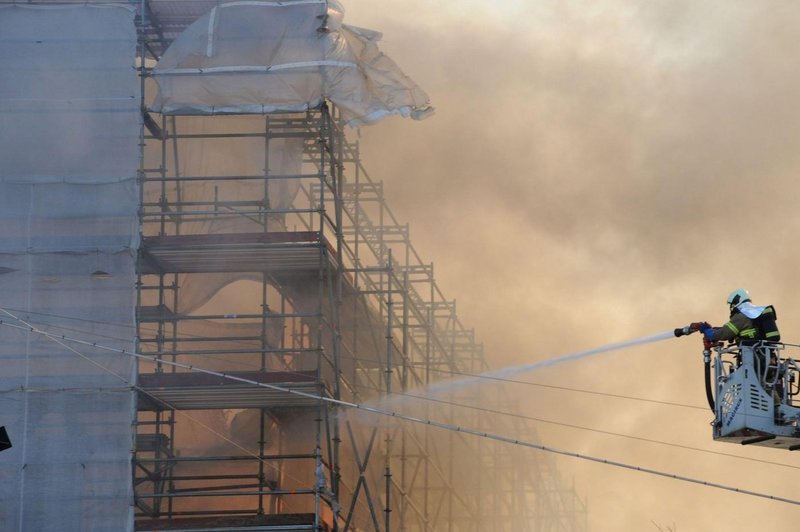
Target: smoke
pixel 594 170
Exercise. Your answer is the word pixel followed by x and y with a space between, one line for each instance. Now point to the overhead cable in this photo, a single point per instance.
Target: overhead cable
pixel 599 431
pixel 500 412
pixel 357 359
pixel 412 419
pixel 60 341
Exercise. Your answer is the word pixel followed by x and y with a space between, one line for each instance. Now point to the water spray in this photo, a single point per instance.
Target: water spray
pixel 504 373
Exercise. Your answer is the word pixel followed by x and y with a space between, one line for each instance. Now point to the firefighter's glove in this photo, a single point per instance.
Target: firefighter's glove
pixel 702 326
pixel 709 333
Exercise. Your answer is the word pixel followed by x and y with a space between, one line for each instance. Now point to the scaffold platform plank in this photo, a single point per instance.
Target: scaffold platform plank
pixel 202 391
pixel 279 252
pixel 271 523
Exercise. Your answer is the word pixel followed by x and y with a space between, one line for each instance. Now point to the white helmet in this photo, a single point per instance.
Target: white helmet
pixel 737 297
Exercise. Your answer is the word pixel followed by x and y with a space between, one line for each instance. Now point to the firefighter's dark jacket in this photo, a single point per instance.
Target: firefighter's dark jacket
pixel 741 327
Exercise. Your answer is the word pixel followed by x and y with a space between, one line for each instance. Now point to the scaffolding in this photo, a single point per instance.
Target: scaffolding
pixel 269 254
pixel 349 311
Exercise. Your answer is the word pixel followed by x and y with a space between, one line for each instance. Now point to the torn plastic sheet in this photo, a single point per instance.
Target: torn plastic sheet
pixel 269 57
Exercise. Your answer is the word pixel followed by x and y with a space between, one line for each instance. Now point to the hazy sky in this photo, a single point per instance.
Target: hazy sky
pixel 598 171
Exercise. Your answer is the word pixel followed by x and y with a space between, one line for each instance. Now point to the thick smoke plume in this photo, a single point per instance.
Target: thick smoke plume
pixel 595 170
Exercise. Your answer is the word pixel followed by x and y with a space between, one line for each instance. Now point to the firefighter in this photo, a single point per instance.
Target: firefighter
pixel 748 323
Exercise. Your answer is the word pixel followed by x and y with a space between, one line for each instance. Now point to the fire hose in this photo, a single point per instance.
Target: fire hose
pixel 708 344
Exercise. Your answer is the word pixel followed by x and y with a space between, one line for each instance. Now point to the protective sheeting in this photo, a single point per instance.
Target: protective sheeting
pixel 206 152
pixel 266 57
pixel 38 218
pixel 69 108
pixel 205 157
pixel 88 455
pixel 68 413
pixel 69 131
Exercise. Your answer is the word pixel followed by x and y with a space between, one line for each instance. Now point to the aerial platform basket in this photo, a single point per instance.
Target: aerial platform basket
pixel 754 391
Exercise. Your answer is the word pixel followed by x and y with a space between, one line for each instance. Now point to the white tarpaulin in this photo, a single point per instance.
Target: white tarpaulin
pixel 265 57
pixel 69 129
pixel 69 107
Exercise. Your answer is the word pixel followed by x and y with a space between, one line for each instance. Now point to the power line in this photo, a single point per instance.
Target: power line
pixel 499 412
pixel 564 388
pixel 60 341
pixel 414 419
pixel 357 359
pixel 510 414
pixel 599 431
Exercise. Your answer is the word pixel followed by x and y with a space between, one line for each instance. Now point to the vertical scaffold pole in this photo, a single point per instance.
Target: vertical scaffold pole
pixel 323 262
pixel 389 362
pixel 404 387
pixel 338 140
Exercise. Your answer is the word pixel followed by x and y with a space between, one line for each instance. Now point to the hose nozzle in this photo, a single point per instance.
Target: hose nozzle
pixel 682 331
pixel 689 329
